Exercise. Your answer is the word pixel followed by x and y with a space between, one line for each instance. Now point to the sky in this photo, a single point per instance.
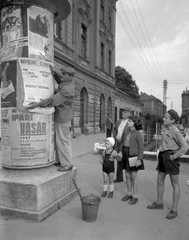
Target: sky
pixel 152 44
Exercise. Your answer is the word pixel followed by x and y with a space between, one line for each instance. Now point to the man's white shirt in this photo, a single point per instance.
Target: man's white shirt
pixel 120 129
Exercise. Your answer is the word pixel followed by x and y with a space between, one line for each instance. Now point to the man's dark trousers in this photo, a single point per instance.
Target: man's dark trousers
pixel 108 132
pixel 119 173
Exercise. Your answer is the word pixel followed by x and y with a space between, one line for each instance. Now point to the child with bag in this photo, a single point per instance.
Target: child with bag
pixel 132 149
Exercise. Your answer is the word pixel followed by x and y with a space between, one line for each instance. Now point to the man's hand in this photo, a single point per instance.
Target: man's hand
pixel 172 158
pixel 119 156
pixel 33 105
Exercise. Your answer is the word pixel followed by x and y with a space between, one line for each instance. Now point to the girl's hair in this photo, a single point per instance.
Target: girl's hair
pixel 137 122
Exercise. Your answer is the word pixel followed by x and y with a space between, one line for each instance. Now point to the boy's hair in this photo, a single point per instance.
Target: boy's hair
pixel 174 115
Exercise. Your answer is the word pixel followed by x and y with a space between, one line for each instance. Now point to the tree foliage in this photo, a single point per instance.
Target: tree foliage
pixel 124 82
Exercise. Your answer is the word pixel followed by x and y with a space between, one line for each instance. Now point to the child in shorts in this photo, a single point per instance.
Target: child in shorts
pixel 109 155
pixel 172 147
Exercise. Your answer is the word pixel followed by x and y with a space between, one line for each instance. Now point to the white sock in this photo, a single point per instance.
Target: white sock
pixel 105 187
pixel 130 193
pixel 111 187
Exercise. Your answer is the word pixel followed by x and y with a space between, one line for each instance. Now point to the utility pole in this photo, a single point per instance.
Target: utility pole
pixel 164 96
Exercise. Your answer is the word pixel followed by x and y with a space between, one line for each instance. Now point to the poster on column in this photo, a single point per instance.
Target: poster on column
pixel 12 39
pixel 35 83
pixel 8 84
pixel 40 32
pixel 5 135
pixel 31 139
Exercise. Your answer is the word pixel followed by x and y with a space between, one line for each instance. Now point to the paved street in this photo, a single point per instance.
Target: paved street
pixel 116 219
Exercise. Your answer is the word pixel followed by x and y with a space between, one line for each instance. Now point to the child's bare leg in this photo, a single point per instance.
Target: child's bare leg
pixel 111 182
pixel 105 186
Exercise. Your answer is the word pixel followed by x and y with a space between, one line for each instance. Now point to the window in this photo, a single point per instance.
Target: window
pixel 102 11
pixel 83 41
pixel 58 30
pixel 102 55
pixel 110 62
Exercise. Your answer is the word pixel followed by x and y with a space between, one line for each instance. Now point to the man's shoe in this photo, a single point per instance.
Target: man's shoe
pixel 65 168
pixel 118 180
pixel 126 198
pixel 104 194
pixel 133 201
pixel 156 206
pixel 172 214
pixel 110 195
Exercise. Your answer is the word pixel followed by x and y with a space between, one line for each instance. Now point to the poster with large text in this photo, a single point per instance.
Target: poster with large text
pixel 40 32
pixel 32 139
pixel 35 83
pixel 12 38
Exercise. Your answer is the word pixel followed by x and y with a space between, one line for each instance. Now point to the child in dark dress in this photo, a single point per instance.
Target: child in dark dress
pixel 109 155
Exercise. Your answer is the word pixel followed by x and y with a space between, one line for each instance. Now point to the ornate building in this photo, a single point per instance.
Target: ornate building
pixel 86 42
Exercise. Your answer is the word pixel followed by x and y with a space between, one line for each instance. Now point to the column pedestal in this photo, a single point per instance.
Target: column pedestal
pixel 35 194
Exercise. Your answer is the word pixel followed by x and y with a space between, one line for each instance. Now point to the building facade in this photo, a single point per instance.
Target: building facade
pixel 185 102
pixel 86 42
pixel 151 105
pixel 122 100
pixel 185 109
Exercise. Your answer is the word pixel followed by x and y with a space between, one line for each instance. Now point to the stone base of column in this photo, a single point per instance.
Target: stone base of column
pixel 35 194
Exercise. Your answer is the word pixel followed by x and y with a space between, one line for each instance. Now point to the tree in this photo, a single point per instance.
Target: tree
pixel 124 82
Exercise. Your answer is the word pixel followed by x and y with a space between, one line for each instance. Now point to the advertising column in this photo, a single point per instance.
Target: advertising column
pixel 27 51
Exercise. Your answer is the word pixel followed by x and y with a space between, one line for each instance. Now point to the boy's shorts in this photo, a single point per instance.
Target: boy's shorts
pixel 108 170
pixel 166 165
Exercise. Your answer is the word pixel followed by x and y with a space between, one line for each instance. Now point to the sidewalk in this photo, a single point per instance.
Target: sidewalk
pixel 116 219
pixel 85 144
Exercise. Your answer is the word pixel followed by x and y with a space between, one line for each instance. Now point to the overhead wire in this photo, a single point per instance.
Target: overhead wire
pixel 146 42
pixel 159 68
pixel 139 64
pixel 136 49
pixel 142 51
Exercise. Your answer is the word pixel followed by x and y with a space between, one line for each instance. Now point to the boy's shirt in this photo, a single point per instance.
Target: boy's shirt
pixel 173 140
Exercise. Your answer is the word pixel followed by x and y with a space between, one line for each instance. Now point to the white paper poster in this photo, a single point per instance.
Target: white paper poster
pixel 37 83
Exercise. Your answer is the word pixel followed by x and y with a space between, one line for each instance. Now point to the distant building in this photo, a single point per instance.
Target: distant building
pixel 151 105
pixel 122 100
pixel 185 108
pixel 185 102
